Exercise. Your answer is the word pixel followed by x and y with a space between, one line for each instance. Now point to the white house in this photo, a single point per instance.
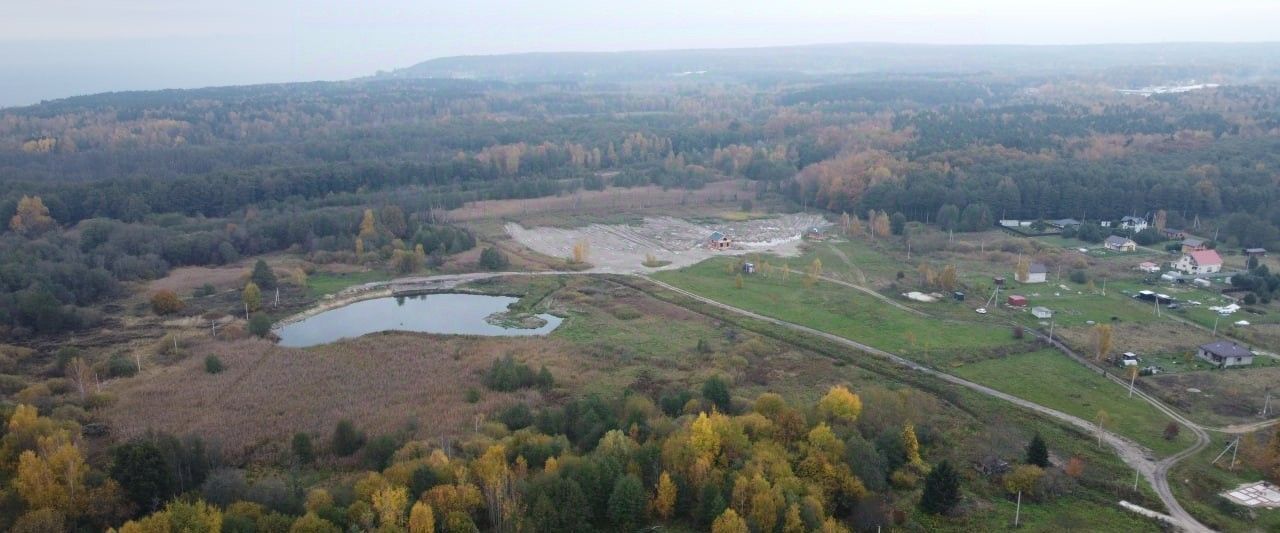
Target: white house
pixel 1201 262
pixel 1037 273
pixel 1120 244
pixel 1133 223
pixel 1148 266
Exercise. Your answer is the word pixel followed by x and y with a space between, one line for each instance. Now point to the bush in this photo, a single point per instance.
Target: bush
pixel 473 395
pixel 1078 276
pixel 672 403
pixel 166 302
pixel 260 325
pixel 516 417
pixel 346 440
pixel 508 375
pixel 1250 299
pixel 493 259
pixel 213 365
pixel 378 452
pixel 302 448
pixel 120 366
pixel 204 290
pixel 716 390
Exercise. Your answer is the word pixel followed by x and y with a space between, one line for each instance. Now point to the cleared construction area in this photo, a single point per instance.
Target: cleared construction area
pixel 624 248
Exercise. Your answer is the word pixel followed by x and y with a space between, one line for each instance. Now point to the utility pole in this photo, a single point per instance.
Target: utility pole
pixel 1135 480
pixel 1018 513
pixel 1133 378
pixel 1266 404
pixel 1215 325
pixel 1051 322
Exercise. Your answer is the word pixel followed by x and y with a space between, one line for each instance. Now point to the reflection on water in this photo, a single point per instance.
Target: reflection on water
pixel 459 314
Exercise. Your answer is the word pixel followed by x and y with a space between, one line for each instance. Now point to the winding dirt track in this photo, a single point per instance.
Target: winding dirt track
pixel 1133 454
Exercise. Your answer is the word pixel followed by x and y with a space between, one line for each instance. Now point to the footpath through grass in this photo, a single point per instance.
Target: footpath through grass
pixel 1053 380
pixel 842 311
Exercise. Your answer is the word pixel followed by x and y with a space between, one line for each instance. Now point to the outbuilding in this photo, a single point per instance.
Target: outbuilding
pixel 1036 273
pixel 1017 301
pixel 719 241
pixel 1041 312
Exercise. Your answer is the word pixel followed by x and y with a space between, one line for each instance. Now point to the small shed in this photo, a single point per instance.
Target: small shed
pixel 815 234
pixel 1129 359
pixel 1041 312
pixel 1148 266
pixel 1255 252
pixel 1017 300
pixel 719 241
pixel 1201 282
pixel 999 281
pixel 959 296
pixel 748 268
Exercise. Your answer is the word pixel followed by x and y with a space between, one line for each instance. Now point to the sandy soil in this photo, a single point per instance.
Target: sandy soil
pixel 622 248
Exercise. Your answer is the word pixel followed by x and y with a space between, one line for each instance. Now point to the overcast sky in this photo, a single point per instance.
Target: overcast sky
pixel 55 48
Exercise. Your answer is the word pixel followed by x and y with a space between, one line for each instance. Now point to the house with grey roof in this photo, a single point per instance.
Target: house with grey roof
pixel 1225 353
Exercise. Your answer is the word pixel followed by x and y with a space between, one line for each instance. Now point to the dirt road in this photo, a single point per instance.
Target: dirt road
pixel 1133 454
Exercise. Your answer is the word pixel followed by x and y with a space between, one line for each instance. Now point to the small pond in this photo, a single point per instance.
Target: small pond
pixel 456 314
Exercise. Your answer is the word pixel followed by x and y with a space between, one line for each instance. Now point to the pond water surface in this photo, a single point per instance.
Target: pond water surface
pixel 457 314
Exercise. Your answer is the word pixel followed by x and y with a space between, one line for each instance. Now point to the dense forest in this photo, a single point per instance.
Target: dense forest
pixel 112 188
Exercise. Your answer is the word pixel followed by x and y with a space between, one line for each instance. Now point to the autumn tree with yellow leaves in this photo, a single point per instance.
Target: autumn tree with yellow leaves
pixel 841 405
pixel 32 217
pixel 1102 341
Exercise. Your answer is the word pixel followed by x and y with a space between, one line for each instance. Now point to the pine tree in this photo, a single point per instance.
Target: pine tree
pixel 1038 452
pixel 941 490
pixel 263 276
pixel 626 503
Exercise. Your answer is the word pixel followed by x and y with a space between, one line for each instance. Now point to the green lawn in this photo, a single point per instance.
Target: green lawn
pixel 322 283
pixel 1053 380
pixel 1063 514
pixel 842 311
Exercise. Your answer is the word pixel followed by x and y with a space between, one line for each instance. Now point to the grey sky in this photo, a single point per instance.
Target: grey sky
pixel 57 48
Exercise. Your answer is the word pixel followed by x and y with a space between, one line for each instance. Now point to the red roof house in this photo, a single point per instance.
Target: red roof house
pixel 1199 262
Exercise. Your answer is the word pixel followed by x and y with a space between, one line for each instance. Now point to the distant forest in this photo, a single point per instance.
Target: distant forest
pixel 104 189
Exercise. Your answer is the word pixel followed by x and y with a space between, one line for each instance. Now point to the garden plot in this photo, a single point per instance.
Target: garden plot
pixel 623 248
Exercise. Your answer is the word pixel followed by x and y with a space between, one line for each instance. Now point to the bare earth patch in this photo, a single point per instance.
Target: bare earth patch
pixel 623 248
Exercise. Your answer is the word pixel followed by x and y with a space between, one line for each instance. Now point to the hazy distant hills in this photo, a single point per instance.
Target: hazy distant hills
pixel 1239 61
